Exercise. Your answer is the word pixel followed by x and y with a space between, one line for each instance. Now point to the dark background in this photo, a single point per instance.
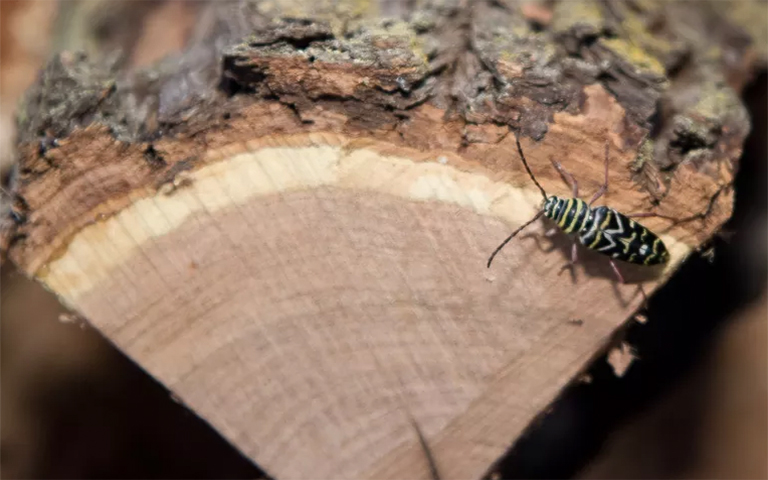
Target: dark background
pixel 693 406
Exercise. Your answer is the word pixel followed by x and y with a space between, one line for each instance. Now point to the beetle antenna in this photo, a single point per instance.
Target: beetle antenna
pixel 527 168
pixel 498 249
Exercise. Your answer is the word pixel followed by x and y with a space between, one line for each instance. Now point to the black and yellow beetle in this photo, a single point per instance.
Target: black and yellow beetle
pixel 601 229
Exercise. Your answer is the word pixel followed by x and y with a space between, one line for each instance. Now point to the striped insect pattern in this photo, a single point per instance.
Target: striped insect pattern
pixel 601 228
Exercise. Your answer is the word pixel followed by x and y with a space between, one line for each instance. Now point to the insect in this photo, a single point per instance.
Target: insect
pixel 601 229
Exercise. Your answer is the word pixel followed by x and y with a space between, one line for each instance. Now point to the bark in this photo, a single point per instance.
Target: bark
pixel 288 223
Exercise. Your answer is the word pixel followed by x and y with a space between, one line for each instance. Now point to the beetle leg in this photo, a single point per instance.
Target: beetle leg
pixel 619 276
pixel 572 264
pixel 567 177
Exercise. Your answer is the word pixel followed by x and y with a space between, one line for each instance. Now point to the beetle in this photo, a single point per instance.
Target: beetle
pixel 602 229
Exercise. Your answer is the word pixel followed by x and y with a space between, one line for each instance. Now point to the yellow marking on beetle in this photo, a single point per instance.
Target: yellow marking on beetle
pixel 567 208
pixel 608 216
pixel 579 208
pixel 663 256
pixel 627 242
pixel 598 236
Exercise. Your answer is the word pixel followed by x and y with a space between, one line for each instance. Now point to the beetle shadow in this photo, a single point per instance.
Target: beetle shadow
pixel 594 264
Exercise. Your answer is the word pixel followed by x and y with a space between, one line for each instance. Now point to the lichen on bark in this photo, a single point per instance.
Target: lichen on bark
pixel 675 71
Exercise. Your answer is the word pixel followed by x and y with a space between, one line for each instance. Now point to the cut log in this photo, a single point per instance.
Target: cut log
pixel 288 225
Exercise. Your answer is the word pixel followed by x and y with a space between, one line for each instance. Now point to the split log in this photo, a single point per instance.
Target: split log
pixel 288 224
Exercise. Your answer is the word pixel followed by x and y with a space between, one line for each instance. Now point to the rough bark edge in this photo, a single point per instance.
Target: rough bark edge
pixel 74 91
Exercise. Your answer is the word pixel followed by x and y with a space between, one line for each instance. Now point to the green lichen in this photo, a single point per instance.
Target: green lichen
pixel 698 128
pixel 646 5
pixel 635 54
pixel 518 31
pixel 577 15
pixel 716 102
pixel 712 55
pixel 638 45
pixel 523 46
pixel 633 27
pixel 390 28
pixel 419 49
pixel 341 15
pixel 319 9
pixel 347 15
pixel 644 155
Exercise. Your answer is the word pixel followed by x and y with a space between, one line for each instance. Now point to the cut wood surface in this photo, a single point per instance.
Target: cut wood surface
pixel 288 224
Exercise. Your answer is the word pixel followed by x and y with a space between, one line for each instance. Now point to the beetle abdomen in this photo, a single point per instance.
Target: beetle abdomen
pixel 618 236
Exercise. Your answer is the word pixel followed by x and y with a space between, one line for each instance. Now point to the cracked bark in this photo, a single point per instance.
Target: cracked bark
pixel 287 224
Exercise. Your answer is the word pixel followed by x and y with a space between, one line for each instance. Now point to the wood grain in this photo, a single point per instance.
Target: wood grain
pixel 288 226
